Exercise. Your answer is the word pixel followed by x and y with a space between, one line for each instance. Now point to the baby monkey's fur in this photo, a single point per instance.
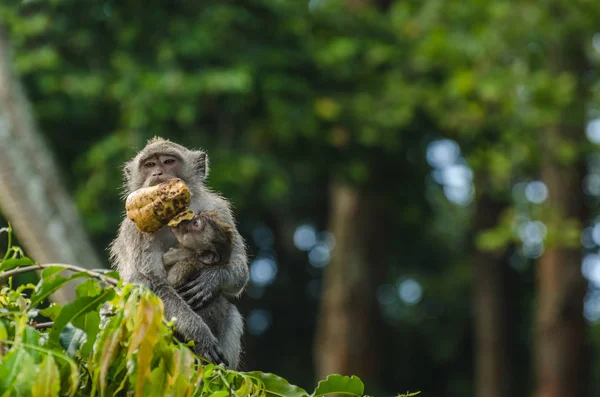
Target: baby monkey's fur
pixel 206 241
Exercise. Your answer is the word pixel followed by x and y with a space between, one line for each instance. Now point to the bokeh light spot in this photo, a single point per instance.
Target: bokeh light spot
pixel 305 237
pixel 258 321
pixel 591 306
pixel 536 192
pixel 591 185
pixel 460 195
pixel 319 256
pixel 442 153
pixel 263 271
pixel 593 131
pixel 410 291
pixel 590 268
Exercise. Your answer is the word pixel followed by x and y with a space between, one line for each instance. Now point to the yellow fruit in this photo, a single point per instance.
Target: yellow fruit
pixel 151 208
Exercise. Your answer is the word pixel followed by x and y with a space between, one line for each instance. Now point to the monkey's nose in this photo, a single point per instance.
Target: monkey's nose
pixel 157 174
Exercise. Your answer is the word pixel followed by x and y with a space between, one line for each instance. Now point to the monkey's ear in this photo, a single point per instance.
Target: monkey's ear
pixel 200 163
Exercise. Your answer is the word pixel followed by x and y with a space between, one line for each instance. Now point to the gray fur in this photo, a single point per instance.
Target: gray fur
pixel 138 256
pixel 221 316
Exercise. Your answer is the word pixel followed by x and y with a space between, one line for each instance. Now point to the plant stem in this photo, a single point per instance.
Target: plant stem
pixel 20 270
pixel 43 325
pixel 9 245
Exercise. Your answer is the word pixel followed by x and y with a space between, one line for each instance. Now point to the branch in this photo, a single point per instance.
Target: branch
pixel 43 325
pixel 73 268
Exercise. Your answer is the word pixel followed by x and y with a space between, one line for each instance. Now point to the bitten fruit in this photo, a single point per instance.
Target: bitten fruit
pixel 151 208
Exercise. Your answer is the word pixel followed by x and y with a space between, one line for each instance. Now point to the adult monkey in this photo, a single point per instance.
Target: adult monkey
pixel 138 256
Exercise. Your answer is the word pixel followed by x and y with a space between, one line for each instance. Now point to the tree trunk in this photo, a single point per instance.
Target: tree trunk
pixel 32 195
pixel 561 287
pixel 344 342
pixel 492 377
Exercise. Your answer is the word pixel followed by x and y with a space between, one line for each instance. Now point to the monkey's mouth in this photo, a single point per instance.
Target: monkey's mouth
pixel 156 180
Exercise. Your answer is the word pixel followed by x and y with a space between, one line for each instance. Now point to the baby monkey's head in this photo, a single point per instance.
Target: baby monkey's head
pixel 208 235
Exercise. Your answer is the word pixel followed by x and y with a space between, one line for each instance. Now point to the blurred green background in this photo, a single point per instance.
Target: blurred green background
pixel 417 181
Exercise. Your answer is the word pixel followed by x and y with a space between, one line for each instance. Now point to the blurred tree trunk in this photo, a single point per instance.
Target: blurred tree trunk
pixel 32 195
pixel 492 378
pixel 345 342
pixel 561 287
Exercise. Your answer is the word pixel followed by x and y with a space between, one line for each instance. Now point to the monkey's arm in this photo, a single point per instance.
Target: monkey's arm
pixel 228 280
pixel 187 322
pixel 176 254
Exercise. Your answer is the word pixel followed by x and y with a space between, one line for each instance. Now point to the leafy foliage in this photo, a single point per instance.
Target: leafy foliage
pixel 286 99
pixel 112 339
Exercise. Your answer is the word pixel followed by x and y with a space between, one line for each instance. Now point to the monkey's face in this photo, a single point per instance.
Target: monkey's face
pixel 193 234
pixel 162 160
pixel 160 168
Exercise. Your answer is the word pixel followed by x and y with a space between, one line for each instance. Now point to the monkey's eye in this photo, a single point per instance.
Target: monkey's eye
pixel 169 161
pixel 196 223
pixel 149 164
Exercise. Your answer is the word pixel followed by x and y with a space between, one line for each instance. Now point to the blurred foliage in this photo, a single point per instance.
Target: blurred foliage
pixel 126 350
pixel 287 98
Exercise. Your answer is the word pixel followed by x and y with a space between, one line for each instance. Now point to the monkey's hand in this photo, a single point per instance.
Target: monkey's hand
pixel 209 349
pixel 200 290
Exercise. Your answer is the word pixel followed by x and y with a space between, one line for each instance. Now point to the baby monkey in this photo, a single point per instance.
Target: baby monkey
pixel 205 241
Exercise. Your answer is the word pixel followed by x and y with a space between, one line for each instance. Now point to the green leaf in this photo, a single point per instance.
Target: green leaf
pixel 89 287
pixel 222 393
pixel 32 338
pixel 16 262
pixel 78 307
pixel 51 311
pixel 50 282
pixel 338 384
pixel 114 274
pixel 277 386
pixel 90 323
pixel 15 372
pixel 108 346
pixel 47 381
pixel 3 331
pixel 158 382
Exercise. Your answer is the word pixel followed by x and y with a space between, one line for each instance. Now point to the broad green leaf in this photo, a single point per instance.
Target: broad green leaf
pixel 277 386
pixel 16 376
pixel 245 389
pixel 3 334
pixel 32 338
pixel 158 382
pixel 47 381
pixel 180 371
pixel 146 332
pixel 113 274
pixel 78 307
pixel 51 311
pixel 90 324
pixel 108 346
pixel 12 263
pixel 49 283
pixel 49 271
pixel 89 287
pixel 338 384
